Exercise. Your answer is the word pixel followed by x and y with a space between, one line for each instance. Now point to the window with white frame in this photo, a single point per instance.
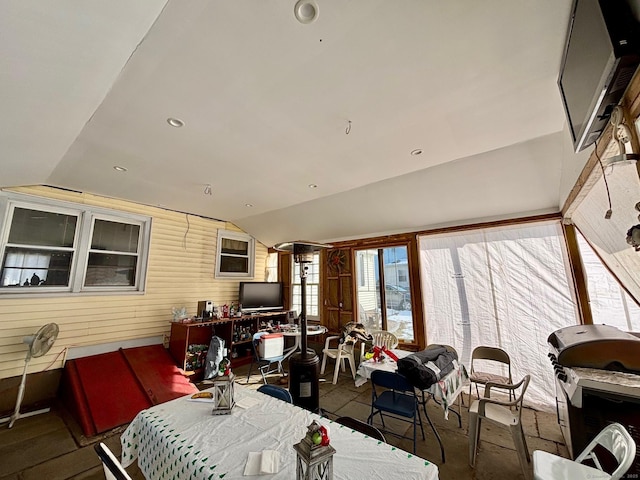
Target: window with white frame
pixel 235 255
pixel 313 287
pixel 63 247
pixel 271 267
pixel 113 253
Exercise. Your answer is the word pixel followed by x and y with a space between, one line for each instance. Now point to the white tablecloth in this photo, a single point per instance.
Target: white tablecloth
pixel 445 391
pixel 181 439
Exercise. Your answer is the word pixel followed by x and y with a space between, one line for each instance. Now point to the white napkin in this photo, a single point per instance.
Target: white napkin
pixel 247 402
pixel 261 463
pixel 270 461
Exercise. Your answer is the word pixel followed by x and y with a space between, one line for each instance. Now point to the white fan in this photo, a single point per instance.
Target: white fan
pixel 38 344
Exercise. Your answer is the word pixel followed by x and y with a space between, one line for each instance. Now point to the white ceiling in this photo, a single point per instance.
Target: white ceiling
pixel 267 102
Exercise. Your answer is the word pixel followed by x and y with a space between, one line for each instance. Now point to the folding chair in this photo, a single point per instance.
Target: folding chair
pixel 360 426
pixel 398 400
pixel 275 391
pixel 614 437
pixel 113 469
pixel 264 363
pixel 488 356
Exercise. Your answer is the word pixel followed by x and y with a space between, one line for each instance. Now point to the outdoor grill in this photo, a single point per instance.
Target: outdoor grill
pixel 597 370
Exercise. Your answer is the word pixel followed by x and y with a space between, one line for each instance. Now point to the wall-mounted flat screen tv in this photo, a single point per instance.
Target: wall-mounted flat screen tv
pixel 602 53
pixel 260 296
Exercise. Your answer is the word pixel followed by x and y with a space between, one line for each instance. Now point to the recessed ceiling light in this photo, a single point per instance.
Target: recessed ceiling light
pixel 117 168
pixel 416 152
pixel 175 122
pixel 313 185
pixel 249 205
pixel 306 11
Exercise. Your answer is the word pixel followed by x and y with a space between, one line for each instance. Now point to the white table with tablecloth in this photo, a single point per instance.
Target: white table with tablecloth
pixel 296 334
pixel 445 391
pixel 181 439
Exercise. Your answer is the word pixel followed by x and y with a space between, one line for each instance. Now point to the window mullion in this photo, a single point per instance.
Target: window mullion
pixel 79 265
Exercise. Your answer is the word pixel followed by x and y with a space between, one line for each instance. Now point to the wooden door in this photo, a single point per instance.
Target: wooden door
pixel 338 305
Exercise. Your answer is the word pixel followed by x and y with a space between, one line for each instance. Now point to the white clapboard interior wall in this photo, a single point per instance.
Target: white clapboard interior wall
pixel 181 272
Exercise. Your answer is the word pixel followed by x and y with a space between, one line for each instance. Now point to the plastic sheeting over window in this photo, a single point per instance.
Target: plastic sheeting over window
pixel 608 236
pixel 506 287
pixel 610 304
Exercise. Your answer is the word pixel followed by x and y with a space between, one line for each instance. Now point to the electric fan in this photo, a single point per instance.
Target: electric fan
pixel 39 344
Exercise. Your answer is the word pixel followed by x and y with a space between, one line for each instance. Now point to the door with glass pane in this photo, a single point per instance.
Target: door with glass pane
pixel 383 287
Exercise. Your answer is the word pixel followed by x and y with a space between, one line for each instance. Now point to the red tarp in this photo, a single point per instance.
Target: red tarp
pixel 108 390
pixel 157 373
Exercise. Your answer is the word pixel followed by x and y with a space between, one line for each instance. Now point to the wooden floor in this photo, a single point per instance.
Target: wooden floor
pixel 51 446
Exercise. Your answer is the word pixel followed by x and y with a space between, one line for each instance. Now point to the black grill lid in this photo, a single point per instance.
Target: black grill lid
pixel 596 346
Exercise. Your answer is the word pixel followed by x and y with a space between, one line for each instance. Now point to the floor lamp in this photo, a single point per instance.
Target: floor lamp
pixel 304 367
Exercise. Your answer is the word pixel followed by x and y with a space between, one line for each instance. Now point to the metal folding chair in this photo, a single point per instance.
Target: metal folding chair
pixel 264 363
pixel 275 391
pixel 398 400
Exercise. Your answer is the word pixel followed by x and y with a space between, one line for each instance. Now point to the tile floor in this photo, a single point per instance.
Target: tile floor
pixel 51 446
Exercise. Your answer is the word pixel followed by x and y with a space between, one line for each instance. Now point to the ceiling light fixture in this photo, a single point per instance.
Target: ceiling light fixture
pixel 306 11
pixel 118 168
pixel 248 205
pixel 416 152
pixel 313 185
pixel 175 122
pixel 207 190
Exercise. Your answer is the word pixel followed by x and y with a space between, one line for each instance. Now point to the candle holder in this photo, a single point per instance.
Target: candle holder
pixel 223 401
pixel 314 460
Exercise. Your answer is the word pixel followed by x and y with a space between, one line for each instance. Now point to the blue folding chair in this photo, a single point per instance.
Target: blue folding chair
pixel 275 391
pixel 264 363
pixel 397 400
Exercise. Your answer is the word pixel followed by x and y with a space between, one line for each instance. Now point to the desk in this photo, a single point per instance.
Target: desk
pixel 181 439
pixel 445 392
pixel 297 335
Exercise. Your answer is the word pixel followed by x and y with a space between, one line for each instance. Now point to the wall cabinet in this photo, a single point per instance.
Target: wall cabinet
pixel 189 342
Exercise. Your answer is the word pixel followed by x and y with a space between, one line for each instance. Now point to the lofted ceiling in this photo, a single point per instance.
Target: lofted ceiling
pixel 271 106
